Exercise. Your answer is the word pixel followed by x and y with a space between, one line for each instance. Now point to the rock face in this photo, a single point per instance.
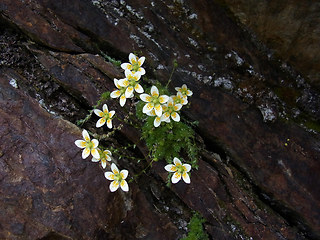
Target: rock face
pixel 257 125
pixel 290 27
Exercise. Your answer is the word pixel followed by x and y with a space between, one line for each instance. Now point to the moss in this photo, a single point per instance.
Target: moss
pixel 288 95
pixel 314 125
pixel 196 231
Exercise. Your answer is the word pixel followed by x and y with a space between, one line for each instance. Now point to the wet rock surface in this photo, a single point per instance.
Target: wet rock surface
pixel 258 114
pixel 289 27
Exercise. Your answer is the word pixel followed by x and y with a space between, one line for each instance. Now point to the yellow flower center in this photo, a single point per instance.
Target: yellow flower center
pixel 155 100
pixel 117 177
pixel 184 92
pixel 135 66
pixel 89 145
pixel 180 169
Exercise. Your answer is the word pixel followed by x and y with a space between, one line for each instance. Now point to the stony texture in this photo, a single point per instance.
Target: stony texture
pixel 48 191
pixel 257 113
pixel 289 27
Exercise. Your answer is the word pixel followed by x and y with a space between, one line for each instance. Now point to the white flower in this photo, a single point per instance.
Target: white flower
pixel 135 64
pixel 179 170
pixel 154 101
pixel 157 120
pixel 118 178
pixel 88 145
pixel 179 98
pixel 104 157
pixel 120 92
pixel 105 115
pixel 170 110
pixel 131 83
pixel 184 90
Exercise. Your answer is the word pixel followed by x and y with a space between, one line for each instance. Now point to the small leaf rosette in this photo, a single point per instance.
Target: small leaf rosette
pixel 154 101
pixel 105 115
pixel 104 157
pixel 179 170
pixel 135 64
pixel 117 178
pixel 90 146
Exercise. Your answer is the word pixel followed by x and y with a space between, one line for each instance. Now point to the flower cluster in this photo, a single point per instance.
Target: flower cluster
pixel 162 107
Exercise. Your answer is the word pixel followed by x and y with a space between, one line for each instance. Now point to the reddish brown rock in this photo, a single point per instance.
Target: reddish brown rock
pixel 48 191
pixel 251 111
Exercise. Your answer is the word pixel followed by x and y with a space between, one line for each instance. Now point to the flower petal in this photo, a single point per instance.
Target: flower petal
pixel 123 100
pixel 176 177
pixel 189 93
pixel 157 122
pixel 184 87
pixel 103 163
pixel 105 108
pixel 85 135
pixel 163 99
pixel 145 97
pixel 138 88
pixel 95 153
pixel 95 143
pixel 115 81
pixel 187 167
pixel 136 76
pixel 80 143
pixel 152 113
pixel 132 58
pixel 86 153
pixel 141 61
pixel 124 185
pixel 115 94
pixel 177 107
pixel 184 101
pixel 186 177
pixel 109 123
pixel 177 161
pixel 124 82
pixel 126 66
pixel 165 116
pixel 124 173
pixel 158 110
pixel 95 159
pixel 177 89
pixel 109 175
pixel 170 168
pixel 129 75
pixel 129 91
pixel 154 91
pixel 107 152
pixel 98 112
pixel 114 168
pixel 141 71
pixel 111 113
pixel 175 116
pixel 101 122
pixel 148 107
pixel 114 186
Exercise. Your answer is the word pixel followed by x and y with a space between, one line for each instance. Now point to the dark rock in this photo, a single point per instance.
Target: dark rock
pixel 251 110
pixel 49 192
pixel 289 27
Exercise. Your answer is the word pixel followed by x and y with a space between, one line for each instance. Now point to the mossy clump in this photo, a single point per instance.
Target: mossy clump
pixel 196 231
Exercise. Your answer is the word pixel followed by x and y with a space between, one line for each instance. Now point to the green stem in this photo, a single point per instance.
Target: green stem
pixel 143 171
pixel 175 65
